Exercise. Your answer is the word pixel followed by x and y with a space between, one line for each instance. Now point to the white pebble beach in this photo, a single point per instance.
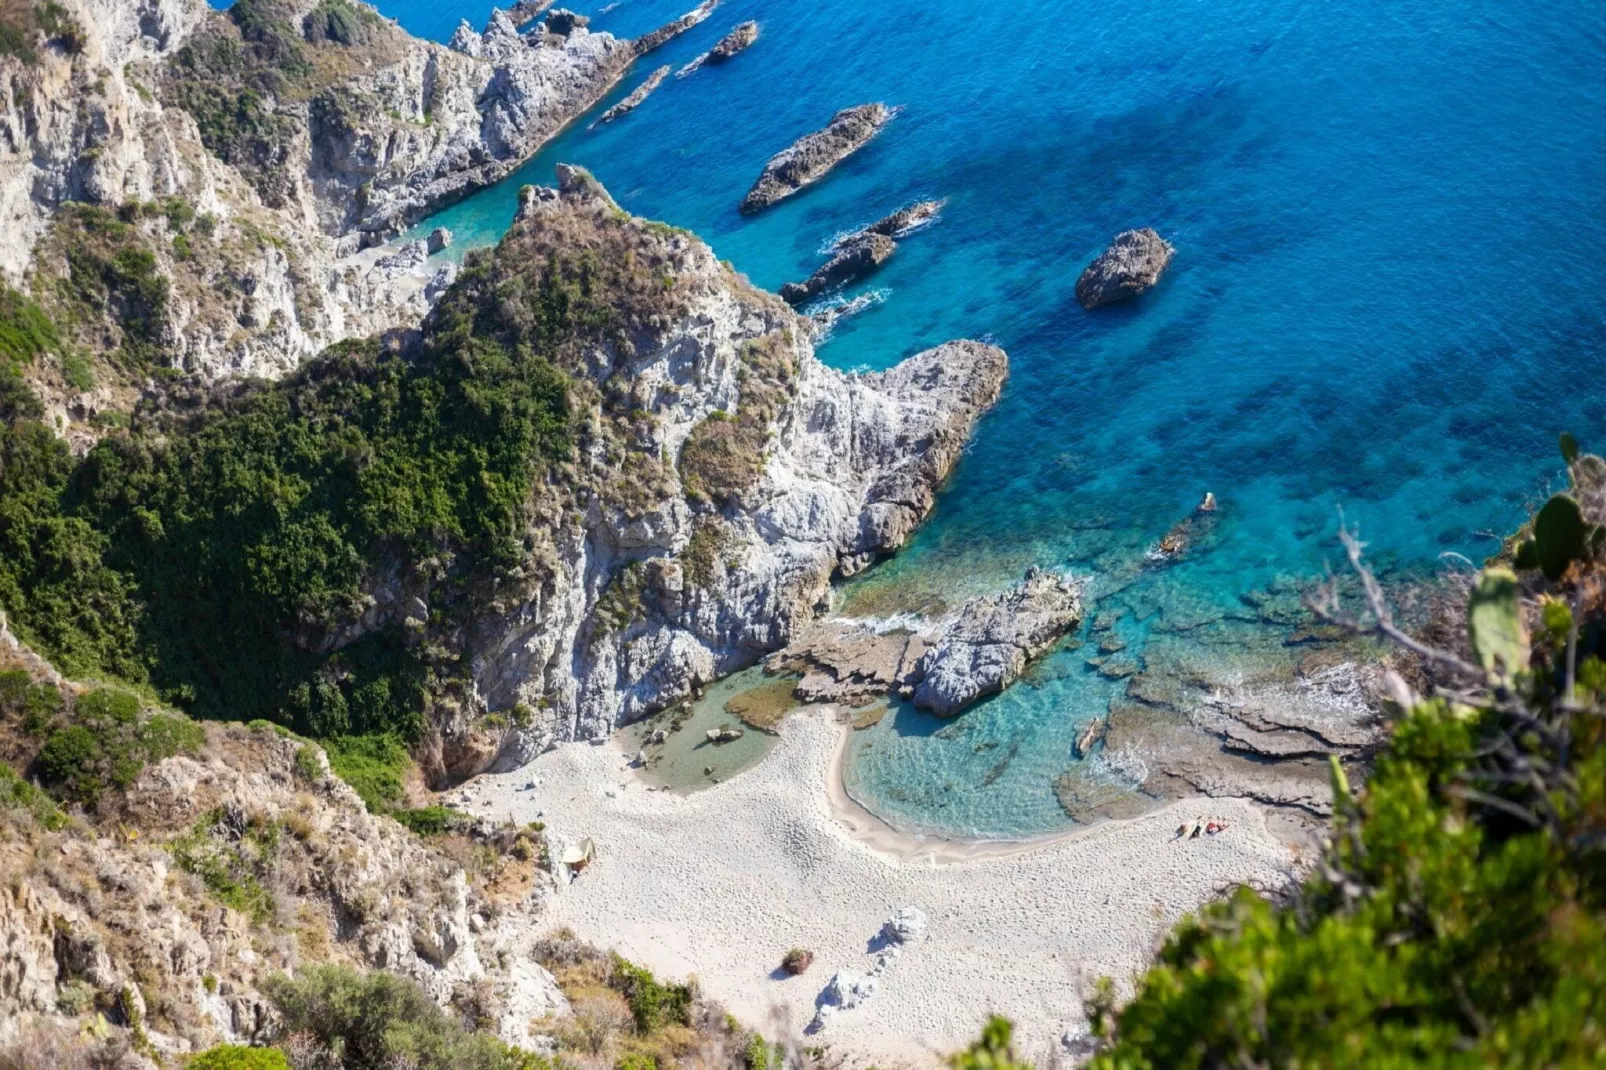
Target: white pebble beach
pixel 719 884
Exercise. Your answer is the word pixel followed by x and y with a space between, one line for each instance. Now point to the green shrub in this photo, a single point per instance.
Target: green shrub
pixel 429 820
pixel 1458 917
pixel 26 332
pixel 653 1004
pixel 306 762
pixel 107 743
pixel 235 1057
pixel 372 765
pixel 232 858
pixel 376 1020
pixel 18 794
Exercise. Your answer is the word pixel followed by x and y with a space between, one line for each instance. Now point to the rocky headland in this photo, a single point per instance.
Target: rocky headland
pixel 1131 265
pixel 813 156
pixel 252 173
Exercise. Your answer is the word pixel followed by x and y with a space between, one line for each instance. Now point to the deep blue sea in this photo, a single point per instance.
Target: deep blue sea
pixel 1390 221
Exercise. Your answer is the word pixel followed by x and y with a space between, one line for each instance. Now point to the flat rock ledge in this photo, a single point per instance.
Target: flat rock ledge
pixel 812 157
pixel 1132 264
pixel 943 665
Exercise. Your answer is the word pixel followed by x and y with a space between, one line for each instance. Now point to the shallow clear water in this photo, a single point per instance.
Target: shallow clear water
pixel 1391 232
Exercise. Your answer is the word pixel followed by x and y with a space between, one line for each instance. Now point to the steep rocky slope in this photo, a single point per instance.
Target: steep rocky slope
pixel 292 135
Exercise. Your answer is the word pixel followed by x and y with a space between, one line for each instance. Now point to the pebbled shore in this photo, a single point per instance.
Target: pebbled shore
pixel 721 883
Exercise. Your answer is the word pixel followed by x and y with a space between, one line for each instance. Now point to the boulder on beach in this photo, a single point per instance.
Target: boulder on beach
pixel 853 263
pixel 813 156
pixel 906 926
pixel 1132 264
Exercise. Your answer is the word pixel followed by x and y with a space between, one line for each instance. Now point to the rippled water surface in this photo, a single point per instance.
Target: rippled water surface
pixel 1391 231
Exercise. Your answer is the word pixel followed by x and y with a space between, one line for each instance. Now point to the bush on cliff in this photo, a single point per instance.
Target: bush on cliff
pixel 376 1020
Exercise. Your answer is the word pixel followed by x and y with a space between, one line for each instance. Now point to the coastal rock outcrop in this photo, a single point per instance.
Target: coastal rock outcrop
pixel 1132 264
pixel 987 645
pixel 855 261
pixel 900 223
pixel 942 665
pixel 813 156
pixel 666 33
pixel 723 478
pixel 738 40
pixel 636 97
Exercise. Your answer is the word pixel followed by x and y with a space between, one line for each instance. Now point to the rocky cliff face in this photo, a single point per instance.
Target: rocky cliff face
pixel 292 141
pixel 218 870
pixel 724 477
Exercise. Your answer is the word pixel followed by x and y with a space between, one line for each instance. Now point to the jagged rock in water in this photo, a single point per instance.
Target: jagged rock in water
pixel 526 11
pixel 634 100
pixel 438 239
pixel 668 32
pixel 738 40
pixel 944 665
pixel 987 645
pixel 852 264
pixel 564 22
pixel 813 156
pixel 903 221
pixel 827 317
pixel 1132 264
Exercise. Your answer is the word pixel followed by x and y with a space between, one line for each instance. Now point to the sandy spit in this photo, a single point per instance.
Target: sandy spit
pixel 719 884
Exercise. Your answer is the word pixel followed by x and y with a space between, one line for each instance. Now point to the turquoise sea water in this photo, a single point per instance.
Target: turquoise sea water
pixel 1391 230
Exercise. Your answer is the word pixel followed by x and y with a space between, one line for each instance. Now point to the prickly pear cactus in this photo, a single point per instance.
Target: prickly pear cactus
pixel 1494 622
pixel 1560 535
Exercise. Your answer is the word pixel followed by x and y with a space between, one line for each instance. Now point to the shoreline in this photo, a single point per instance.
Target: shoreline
pixel 720 882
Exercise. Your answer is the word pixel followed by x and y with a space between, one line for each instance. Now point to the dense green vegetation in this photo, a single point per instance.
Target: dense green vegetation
pixel 235 1057
pixel 1458 918
pixel 374 1021
pixel 102 740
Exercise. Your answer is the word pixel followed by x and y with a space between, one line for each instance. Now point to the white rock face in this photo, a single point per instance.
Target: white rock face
pixel 425 128
pixel 849 470
pixel 906 926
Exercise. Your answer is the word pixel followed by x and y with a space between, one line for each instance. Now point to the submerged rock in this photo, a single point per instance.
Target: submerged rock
pixel 1132 264
pixel 813 156
pixel 854 263
pixel 668 32
pixel 634 100
pixel 563 22
pixel 823 319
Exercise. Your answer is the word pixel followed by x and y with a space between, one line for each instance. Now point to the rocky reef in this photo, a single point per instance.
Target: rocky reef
pixel 666 33
pixel 943 665
pixel 737 41
pixel 899 224
pixel 856 261
pixel 636 97
pixel 813 156
pixel 1132 264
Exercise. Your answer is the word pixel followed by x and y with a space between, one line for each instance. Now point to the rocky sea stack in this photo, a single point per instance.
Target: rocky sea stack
pixel 738 40
pixel 1132 264
pixel 635 99
pixel 853 263
pixel 669 31
pixel 812 157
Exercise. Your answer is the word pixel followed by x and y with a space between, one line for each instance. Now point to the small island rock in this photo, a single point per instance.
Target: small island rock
pixel 738 40
pixel 1132 264
pixel 813 156
pixel 855 262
